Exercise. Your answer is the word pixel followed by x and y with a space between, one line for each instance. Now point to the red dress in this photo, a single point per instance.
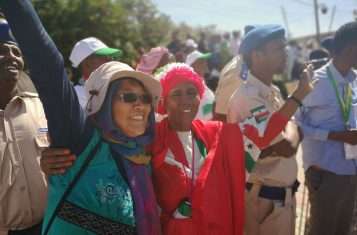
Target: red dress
pixel 218 195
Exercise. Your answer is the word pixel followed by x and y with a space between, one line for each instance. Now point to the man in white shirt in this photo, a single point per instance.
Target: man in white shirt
pixel 23 128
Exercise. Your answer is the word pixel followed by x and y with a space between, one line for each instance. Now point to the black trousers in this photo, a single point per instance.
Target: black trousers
pixel 34 230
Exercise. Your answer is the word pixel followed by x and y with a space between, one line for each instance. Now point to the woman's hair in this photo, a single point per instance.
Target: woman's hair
pixel 118 82
pixel 113 89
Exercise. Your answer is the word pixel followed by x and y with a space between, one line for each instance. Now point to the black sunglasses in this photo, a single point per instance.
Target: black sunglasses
pixel 131 97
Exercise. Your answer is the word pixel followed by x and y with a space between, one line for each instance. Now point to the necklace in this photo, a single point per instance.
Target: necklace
pixel 191 183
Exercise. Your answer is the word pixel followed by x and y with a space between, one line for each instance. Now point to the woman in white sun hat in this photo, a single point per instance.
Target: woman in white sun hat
pixel 108 190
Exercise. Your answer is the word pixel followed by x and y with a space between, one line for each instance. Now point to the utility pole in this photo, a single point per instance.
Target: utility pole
pixel 316 7
pixel 286 22
pixel 332 18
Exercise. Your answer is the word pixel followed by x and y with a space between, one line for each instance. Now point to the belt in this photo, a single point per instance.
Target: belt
pixel 274 193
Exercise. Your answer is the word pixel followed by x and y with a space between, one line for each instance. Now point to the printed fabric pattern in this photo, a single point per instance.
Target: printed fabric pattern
pixel 100 188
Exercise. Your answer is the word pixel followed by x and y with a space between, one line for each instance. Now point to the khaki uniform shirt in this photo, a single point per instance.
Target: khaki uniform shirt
pixel 229 81
pixel 256 99
pixel 23 185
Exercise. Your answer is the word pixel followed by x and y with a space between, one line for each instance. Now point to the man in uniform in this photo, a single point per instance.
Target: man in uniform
pixel 269 199
pixel 23 128
pixel 233 74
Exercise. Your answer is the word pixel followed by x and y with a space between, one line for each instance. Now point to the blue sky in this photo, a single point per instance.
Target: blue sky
pixel 229 15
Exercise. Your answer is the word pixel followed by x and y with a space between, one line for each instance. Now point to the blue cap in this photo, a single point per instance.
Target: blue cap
pixel 5 34
pixel 260 35
pixel 327 43
pixel 249 27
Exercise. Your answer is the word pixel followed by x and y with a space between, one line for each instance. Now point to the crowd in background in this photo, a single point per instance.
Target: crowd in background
pixel 198 138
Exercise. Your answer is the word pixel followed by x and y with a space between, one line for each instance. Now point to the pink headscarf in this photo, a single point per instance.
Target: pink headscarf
pixel 175 73
pixel 151 60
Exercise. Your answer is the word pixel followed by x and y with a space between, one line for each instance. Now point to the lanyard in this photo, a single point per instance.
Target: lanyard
pixel 192 181
pixel 345 107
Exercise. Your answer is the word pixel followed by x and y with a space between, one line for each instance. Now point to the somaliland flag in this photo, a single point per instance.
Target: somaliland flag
pixel 252 153
pixel 260 113
pixel 252 150
pixel 259 135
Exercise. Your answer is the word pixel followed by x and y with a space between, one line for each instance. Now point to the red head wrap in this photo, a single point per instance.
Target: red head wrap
pixel 173 74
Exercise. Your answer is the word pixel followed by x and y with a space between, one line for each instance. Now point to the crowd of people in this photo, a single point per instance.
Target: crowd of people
pixel 156 150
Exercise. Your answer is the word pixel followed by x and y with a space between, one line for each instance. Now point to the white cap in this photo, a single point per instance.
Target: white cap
pixel 191 43
pixel 97 84
pixel 193 56
pixel 88 46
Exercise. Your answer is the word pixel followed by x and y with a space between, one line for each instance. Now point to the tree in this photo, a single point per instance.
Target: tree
pixel 124 24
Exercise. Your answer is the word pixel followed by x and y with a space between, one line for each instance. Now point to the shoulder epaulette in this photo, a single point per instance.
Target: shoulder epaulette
pixel 26 94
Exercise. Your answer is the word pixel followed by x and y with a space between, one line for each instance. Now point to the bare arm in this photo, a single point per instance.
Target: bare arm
pixel 306 85
pixel 289 145
pixel 348 136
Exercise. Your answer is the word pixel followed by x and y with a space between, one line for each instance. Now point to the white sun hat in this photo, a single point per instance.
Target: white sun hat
pixel 97 84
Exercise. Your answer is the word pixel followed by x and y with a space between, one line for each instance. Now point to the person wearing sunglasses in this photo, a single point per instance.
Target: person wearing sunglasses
pixel 108 189
pixel 130 97
pixel 198 167
pixel 207 152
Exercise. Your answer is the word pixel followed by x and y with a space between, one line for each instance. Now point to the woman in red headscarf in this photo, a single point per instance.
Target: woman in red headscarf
pixel 199 167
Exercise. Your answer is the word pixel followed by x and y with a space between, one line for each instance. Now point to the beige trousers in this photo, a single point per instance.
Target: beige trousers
pixel 269 217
